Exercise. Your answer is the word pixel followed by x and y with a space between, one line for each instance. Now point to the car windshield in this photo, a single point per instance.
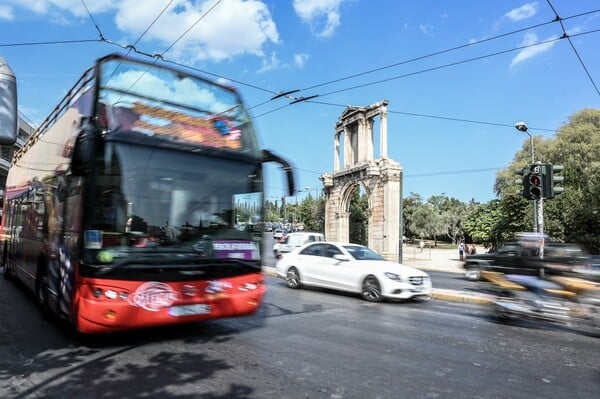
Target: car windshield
pixel 359 252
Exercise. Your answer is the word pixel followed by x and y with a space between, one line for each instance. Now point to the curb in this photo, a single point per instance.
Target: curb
pixel 461 296
pixel 436 293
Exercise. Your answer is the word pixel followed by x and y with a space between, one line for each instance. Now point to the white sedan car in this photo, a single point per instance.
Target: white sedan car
pixel 353 268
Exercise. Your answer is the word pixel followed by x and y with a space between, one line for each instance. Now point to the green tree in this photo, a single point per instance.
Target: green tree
pixel 572 216
pixel 425 222
pixel 410 206
pixel 451 212
pixel 358 218
pixel 481 222
pixel 312 211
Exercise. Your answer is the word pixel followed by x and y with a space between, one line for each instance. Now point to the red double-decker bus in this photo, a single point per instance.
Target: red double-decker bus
pixel 122 210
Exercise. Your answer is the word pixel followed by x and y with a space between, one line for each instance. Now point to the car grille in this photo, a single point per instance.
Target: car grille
pixel 416 280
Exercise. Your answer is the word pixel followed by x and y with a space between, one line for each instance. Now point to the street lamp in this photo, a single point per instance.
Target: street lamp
pixel 306 189
pixel 522 127
pixel 538 210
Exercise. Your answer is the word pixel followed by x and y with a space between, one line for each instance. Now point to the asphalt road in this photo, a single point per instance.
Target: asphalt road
pixel 305 343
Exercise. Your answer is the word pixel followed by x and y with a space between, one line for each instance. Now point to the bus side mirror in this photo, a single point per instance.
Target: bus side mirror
pixel 268 156
pixel 84 152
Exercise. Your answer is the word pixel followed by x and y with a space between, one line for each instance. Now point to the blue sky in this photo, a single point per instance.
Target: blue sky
pixel 275 45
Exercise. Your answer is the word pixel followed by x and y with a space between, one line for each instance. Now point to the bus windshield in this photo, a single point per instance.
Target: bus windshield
pixel 162 103
pixel 150 198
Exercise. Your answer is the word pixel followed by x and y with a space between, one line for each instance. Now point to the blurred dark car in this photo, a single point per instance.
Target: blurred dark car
pixel 517 258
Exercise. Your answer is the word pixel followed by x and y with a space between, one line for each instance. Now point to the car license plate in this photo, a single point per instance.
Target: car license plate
pixel 417 289
pixel 188 310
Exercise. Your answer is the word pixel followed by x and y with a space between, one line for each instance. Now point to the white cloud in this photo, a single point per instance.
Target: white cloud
pixel 6 13
pixel 529 39
pixel 232 28
pixel 323 16
pixel 426 29
pixel 269 64
pixel 75 7
pixel 525 11
pixel 300 60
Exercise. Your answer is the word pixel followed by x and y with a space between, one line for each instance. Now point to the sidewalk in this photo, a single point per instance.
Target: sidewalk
pixel 433 259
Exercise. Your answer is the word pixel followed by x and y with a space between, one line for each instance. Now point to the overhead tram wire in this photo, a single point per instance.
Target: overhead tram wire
pixel 191 27
pixel 421 58
pixel 49 42
pixel 448 50
pixel 93 20
pixel 160 56
pixel 429 70
pixel 153 22
pixel 566 35
pixel 446 118
pixel 131 47
pixel 454 63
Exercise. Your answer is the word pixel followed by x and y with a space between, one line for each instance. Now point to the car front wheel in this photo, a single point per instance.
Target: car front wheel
pixel 371 289
pixel 292 278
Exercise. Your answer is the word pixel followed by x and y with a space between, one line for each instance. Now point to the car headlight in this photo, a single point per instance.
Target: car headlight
pixel 393 276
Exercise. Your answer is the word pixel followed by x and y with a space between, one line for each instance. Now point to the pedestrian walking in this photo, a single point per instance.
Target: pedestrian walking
pixel 461 250
pixel 472 250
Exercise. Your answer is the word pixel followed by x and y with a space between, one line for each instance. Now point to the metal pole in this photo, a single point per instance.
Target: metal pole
pixel 538 207
pixel 521 126
pixel 535 202
pixel 541 225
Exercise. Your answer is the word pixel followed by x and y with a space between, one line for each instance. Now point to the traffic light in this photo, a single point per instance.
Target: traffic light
pixel 536 181
pixel 523 181
pixel 550 181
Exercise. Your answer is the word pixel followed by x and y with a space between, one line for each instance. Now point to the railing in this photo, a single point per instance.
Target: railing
pixel 414 252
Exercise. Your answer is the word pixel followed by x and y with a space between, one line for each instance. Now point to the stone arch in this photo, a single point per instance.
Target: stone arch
pixel 346 197
pixel 381 179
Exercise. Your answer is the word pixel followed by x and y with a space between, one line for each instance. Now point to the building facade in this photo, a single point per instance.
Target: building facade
pixel 25 129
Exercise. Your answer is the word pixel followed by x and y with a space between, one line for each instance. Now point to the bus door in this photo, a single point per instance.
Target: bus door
pixel 67 261
pixel 31 237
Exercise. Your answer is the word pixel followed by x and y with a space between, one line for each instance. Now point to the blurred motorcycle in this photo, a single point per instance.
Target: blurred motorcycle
pixel 571 301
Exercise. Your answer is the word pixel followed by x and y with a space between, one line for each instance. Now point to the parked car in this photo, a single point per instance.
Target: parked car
pixel 295 240
pixel 352 268
pixel 520 258
pixel 278 233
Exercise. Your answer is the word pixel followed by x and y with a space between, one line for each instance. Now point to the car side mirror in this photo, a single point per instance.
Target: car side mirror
pixel 341 258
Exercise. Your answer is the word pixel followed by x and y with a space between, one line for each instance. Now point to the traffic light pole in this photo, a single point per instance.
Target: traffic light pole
pixel 540 222
pixel 536 209
pixel 522 127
